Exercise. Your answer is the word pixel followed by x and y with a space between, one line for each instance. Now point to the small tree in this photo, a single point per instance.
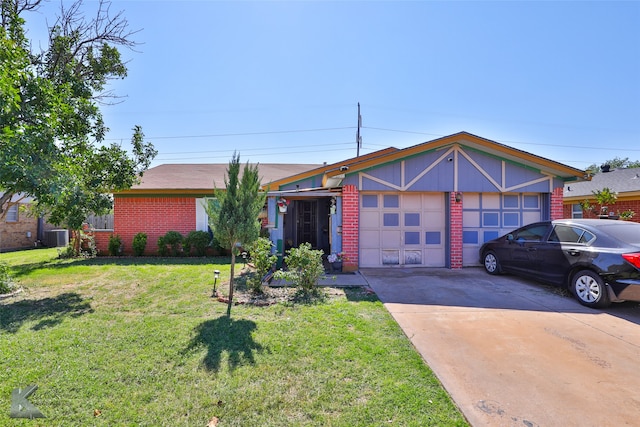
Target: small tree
pixel 605 198
pixel 233 214
pixel 305 266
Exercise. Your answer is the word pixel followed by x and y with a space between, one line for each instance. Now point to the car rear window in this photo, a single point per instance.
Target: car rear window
pixel 624 231
pixel 570 234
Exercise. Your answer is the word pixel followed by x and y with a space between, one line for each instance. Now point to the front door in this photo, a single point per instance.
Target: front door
pixel 307 222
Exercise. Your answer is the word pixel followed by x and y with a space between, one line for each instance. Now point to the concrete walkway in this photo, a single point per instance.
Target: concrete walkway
pixel 512 352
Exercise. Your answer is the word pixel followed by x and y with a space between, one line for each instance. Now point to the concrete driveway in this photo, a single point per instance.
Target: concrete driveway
pixel 512 352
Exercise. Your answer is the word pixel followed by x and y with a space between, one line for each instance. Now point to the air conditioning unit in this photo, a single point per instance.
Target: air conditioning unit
pixel 57 238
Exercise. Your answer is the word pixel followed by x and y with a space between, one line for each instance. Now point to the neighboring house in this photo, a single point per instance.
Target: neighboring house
pixel 429 205
pixel 18 230
pixel 625 182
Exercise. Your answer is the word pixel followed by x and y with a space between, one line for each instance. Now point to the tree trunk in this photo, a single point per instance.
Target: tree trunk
pixel 233 267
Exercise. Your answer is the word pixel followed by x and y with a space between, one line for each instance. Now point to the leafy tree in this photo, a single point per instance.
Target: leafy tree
pixel 51 127
pixel 233 214
pixel 615 163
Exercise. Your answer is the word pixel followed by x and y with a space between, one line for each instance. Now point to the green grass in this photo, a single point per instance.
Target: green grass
pixel 142 341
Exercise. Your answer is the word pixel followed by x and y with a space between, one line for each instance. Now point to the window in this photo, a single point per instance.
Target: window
pixel 531 202
pixel 391 201
pixel 412 219
pixel 534 233
pixel 576 211
pixel 510 202
pixel 568 234
pixel 470 237
pixel 412 237
pixel 490 219
pixel 369 201
pixel 12 213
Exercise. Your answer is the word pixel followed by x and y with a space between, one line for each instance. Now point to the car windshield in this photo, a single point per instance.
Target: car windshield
pixel 626 232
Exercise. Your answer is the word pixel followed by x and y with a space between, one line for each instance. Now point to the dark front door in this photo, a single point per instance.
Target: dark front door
pixel 307 222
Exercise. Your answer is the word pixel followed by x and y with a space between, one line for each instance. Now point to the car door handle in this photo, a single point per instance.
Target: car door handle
pixel 532 249
pixel 573 252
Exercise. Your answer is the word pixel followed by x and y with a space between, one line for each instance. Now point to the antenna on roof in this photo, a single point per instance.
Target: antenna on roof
pixel 358 137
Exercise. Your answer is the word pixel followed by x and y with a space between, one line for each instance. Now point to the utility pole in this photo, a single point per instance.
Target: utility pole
pixel 358 137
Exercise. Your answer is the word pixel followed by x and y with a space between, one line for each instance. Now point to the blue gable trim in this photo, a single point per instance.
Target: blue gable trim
pixel 453 169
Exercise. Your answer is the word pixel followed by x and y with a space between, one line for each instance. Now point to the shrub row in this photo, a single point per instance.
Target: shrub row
pixel 171 244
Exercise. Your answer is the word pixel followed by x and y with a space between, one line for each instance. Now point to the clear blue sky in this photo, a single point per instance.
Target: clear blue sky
pixel 280 81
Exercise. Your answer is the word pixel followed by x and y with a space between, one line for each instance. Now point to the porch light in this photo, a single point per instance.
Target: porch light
pixel 458 197
pixel 216 276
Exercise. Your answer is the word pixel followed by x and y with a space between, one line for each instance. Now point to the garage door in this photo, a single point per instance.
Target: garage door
pixel 402 229
pixel 489 215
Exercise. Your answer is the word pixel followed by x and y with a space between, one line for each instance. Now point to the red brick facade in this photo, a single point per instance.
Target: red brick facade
pixel 619 206
pixel 350 226
pixel 455 231
pixel 154 216
pixel 101 240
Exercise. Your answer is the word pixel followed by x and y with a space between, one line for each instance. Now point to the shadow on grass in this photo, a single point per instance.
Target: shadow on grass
pixel 359 294
pixel 226 335
pixel 47 311
pixel 315 295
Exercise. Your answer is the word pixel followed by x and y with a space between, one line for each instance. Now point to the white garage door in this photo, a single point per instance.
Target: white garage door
pixel 402 229
pixel 489 215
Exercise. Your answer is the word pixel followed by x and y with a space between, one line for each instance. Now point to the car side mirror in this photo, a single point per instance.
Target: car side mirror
pixel 510 238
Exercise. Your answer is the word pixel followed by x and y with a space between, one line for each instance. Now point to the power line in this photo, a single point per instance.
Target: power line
pixel 241 133
pixel 513 142
pixel 262 154
pixel 270 148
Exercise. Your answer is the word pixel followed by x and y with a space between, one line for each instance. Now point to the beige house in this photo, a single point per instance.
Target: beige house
pixel 18 229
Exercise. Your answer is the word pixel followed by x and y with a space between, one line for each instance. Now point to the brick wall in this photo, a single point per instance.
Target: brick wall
pixel 456 231
pixel 101 239
pixel 350 227
pixel 154 216
pixel 557 210
pixel 619 206
pixel 13 235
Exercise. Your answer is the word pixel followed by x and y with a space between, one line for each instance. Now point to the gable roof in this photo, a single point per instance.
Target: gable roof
pixel 484 145
pixel 199 178
pixel 324 169
pixel 625 182
pixel 337 170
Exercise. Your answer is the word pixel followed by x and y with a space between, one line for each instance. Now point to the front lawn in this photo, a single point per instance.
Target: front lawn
pixel 141 342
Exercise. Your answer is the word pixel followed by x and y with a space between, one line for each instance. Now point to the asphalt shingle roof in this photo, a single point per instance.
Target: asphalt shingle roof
pixel 618 180
pixel 202 176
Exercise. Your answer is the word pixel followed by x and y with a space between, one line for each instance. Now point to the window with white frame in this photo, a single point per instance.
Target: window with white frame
pixel 12 213
pixel 576 211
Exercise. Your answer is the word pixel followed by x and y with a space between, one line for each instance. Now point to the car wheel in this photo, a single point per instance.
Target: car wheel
pixel 589 289
pixel 491 263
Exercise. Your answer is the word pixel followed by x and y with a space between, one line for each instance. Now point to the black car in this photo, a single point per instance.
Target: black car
pixel 598 260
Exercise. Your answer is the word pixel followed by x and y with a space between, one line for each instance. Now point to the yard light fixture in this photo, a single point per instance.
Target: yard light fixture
pixel 244 258
pixel 216 276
